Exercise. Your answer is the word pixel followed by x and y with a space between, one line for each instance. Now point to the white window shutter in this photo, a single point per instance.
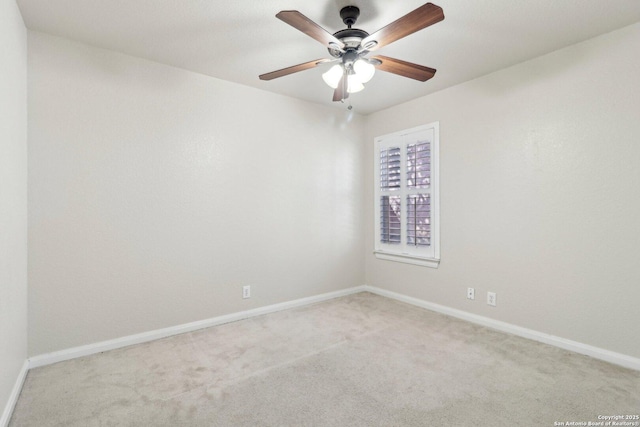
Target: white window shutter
pixel 407 196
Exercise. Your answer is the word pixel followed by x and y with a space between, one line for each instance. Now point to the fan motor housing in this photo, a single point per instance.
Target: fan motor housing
pixel 350 33
pixel 351 37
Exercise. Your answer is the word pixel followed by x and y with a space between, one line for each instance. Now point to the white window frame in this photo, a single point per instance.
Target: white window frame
pixel 423 256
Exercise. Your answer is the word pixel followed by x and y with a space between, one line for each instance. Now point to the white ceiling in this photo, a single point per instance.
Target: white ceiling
pixel 238 40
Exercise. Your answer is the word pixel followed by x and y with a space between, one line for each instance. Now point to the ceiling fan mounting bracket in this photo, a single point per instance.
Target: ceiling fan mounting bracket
pixel 349 15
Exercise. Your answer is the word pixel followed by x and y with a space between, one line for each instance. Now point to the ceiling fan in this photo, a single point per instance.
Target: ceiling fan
pixel 349 48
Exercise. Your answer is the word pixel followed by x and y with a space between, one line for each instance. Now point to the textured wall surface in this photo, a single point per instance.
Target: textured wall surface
pixel 539 193
pixel 13 197
pixel 155 194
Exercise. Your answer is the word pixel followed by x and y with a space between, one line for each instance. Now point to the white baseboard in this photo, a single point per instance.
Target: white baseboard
pixel 86 350
pixel 15 393
pixel 72 353
pixel 595 352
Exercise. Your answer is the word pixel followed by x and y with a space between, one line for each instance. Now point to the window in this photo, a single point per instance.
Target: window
pixel 406 196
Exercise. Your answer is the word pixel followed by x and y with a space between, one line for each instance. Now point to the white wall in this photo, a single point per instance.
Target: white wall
pixel 135 166
pixel 13 198
pixel 540 178
pixel 156 193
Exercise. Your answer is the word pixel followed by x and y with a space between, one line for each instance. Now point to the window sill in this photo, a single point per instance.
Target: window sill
pixel 408 259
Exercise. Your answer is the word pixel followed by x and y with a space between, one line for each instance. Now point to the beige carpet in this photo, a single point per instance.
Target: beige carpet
pixel 361 360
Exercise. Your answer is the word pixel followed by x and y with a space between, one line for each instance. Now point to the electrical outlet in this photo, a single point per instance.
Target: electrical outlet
pixel 491 298
pixel 246 291
pixel 471 293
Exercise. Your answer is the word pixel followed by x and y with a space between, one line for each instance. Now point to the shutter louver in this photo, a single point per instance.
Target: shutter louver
pixel 419 220
pixel 390 228
pixel 390 168
pixel 419 165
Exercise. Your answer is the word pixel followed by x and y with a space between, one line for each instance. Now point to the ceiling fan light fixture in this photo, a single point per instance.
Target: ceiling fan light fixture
pixel 364 70
pixel 354 84
pixel 333 76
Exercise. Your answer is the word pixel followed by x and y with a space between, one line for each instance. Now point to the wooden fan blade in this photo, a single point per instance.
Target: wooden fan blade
pixel 404 68
pixel 299 21
pixel 422 17
pixel 294 69
pixel 341 91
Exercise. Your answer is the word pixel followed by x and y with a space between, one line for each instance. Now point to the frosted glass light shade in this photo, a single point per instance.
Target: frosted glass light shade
pixel 364 70
pixel 354 84
pixel 333 76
